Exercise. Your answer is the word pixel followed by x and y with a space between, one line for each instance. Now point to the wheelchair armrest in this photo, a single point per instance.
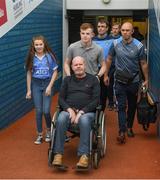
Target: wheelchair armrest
pixel 99 107
pixel 98 110
pixel 55 115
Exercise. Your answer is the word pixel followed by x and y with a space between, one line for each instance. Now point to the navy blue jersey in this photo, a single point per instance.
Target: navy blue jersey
pixel 127 56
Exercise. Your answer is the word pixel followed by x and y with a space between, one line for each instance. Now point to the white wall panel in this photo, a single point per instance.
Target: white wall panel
pixel 99 4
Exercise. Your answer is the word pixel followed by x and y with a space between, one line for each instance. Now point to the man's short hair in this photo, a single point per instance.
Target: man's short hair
pixel 78 57
pixel 116 23
pixel 85 26
pixel 103 20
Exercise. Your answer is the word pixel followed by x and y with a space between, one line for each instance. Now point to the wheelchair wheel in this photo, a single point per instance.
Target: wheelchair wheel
pixel 50 157
pixel 50 150
pixel 96 159
pixel 55 116
pixel 102 135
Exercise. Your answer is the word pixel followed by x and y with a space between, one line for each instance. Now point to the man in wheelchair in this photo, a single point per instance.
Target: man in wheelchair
pixel 79 96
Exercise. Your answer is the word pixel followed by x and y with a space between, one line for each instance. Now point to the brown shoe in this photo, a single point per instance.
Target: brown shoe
pixel 83 161
pixel 57 159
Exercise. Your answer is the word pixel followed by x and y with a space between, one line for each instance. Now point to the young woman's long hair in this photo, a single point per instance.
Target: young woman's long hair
pixel 31 53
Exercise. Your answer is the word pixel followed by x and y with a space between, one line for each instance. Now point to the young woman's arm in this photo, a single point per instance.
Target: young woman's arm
pixel 29 76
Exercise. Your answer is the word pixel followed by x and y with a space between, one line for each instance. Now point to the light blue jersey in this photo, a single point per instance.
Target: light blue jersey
pixel 43 68
pixel 105 43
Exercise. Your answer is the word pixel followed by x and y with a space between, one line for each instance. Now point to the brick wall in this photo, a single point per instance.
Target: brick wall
pixel 46 20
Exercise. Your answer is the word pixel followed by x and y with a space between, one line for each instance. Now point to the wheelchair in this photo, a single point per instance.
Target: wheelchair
pixel 97 139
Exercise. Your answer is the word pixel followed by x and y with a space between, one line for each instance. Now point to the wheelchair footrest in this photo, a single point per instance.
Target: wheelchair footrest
pixel 80 168
pixel 60 167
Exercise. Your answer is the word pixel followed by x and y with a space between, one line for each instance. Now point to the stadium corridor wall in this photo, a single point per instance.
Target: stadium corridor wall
pixel 46 20
pixel 154 54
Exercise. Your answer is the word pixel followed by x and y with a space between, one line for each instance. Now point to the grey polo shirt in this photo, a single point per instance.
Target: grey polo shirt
pixel 93 55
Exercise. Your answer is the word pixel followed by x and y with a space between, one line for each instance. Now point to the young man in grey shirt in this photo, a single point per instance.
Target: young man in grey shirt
pixel 89 50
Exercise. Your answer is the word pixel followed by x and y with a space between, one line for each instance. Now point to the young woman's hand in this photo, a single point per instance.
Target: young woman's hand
pixel 28 95
pixel 48 91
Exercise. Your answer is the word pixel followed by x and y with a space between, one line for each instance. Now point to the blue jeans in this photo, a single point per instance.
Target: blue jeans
pixel 85 125
pixel 126 96
pixel 42 103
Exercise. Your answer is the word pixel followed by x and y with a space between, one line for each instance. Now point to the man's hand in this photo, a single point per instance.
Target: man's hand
pixel 72 114
pixel 98 78
pixel 106 80
pixel 79 114
pixel 77 118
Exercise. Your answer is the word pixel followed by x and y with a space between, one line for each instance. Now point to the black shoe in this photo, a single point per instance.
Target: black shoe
pixel 115 108
pixel 110 107
pixel 130 133
pixel 121 139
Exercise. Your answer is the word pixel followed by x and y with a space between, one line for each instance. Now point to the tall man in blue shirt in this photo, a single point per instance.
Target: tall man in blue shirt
pixel 103 40
pixel 129 55
pixel 115 34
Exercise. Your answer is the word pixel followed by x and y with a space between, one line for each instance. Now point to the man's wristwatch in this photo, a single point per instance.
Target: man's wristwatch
pixel 98 76
pixel 81 112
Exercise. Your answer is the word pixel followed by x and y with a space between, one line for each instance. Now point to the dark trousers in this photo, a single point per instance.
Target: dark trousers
pixel 126 96
pixel 110 94
pixel 103 96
